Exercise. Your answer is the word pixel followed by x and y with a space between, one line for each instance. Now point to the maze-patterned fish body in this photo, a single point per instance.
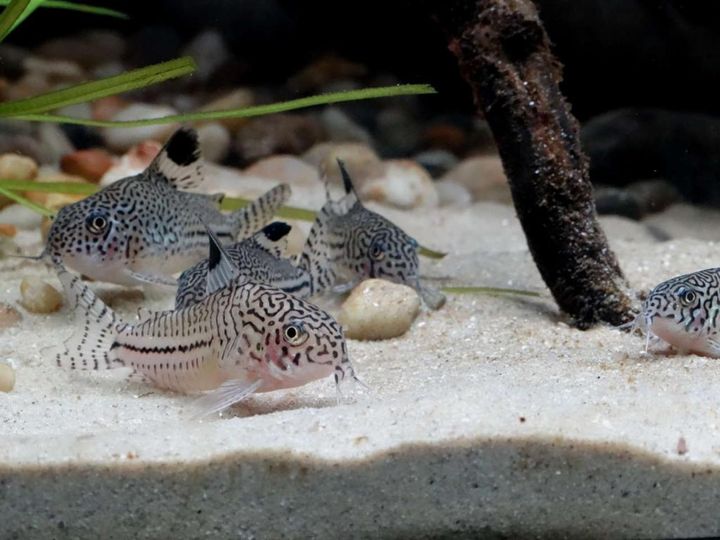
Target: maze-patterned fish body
pixel 349 243
pixel 243 338
pixel 259 258
pixel 145 227
pixel 683 311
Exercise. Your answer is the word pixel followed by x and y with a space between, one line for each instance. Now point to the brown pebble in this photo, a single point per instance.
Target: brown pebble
pixel 8 229
pixel 17 167
pixel 38 296
pixel 91 164
pixel 7 377
pixel 9 316
pixel 445 136
pixel 107 107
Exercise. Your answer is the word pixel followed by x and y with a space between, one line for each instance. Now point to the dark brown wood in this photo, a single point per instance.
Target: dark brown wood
pixel 504 54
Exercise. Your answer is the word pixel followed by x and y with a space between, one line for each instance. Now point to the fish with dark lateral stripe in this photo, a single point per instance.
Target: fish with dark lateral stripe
pixel 259 258
pixel 349 243
pixel 145 228
pixel 244 337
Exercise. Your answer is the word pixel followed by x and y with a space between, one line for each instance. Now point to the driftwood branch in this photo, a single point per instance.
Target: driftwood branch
pixel 504 54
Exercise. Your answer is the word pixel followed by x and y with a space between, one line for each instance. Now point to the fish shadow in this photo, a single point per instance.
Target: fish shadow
pixel 262 405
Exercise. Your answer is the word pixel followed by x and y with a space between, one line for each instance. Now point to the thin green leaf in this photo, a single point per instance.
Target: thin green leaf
pixel 80 93
pixel 27 203
pixel 72 6
pixel 13 15
pixel 431 254
pixel 287 212
pixel 71 188
pixel 493 291
pixel 245 112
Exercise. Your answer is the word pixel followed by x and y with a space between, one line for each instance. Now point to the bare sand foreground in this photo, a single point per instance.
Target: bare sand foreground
pixel 490 418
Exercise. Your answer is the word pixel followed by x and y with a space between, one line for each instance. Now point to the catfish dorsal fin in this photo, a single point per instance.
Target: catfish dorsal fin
pixel 347 181
pixel 221 270
pixel 350 198
pixel 179 163
pixel 273 238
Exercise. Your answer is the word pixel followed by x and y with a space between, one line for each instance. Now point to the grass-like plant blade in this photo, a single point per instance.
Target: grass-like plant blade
pixel 493 291
pixel 27 203
pixel 72 6
pixel 14 14
pixel 229 203
pixel 245 112
pixel 92 90
pixel 70 188
pixel 287 212
pixel 431 253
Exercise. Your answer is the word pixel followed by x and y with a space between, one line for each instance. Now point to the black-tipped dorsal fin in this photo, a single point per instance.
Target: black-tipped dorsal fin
pixel 346 203
pixel 179 163
pixel 273 239
pixel 347 181
pixel 221 270
pixel 276 230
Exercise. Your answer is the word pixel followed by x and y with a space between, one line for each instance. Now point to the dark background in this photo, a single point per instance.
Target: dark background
pixel 642 75
pixel 617 53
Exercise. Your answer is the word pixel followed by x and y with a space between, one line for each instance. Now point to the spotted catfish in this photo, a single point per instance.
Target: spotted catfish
pixel 244 337
pixel 683 311
pixel 259 258
pixel 146 227
pixel 348 243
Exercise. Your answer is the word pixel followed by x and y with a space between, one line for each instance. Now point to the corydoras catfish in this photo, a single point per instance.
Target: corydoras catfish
pixel 348 243
pixel 260 258
pixel 145 227
pixel 244 337
pixel 683 311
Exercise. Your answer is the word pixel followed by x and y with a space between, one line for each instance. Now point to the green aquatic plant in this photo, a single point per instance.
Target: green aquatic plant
pixel 184 66
pixel 18 10
pixel 38 108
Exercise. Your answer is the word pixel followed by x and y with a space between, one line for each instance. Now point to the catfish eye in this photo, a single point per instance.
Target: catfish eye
pixel 688 297
pixel 295 334
pixel 377 251
pixel 96 223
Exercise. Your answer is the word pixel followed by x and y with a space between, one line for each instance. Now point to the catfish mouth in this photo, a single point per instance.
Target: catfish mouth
pixel 677 334
pixel 433 298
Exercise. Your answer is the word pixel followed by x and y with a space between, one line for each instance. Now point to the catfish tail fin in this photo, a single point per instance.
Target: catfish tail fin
pixel 260 212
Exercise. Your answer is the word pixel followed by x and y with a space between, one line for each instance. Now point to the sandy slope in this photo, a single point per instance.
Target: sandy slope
pixel 489 416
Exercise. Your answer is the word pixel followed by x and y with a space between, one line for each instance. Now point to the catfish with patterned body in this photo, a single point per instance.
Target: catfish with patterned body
pixel 349 243
pixel 244 337
pixel 683 311
pixel 145 227
pixel 260 258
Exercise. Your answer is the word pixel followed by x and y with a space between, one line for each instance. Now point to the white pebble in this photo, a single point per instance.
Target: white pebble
pixel 122 139
pixel 379 309
pixel 38 296
pixel 214 139
pixel 404 184
pixel 20 216
pixel 453 194
pixel 7 377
